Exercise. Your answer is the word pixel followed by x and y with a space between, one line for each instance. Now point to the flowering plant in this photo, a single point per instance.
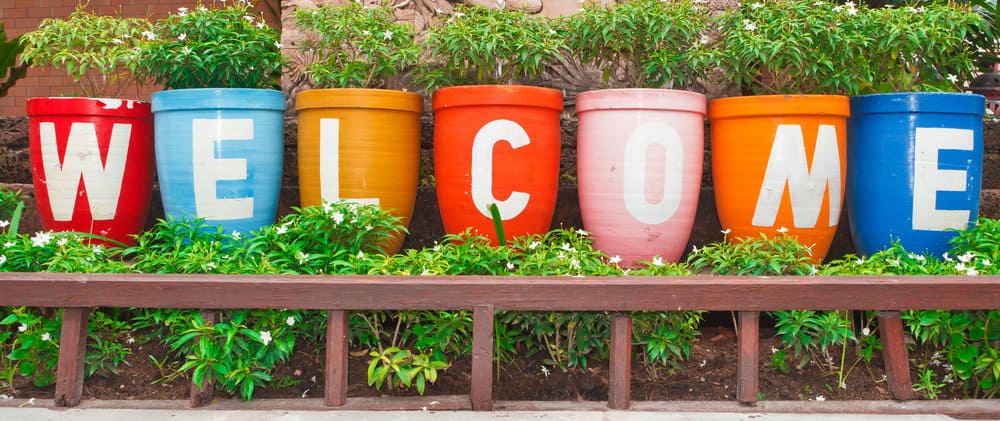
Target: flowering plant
pixel 218 47
pixel 641 43
pixel 356 46
pixel 794 46
pixel 923 48
pixel 93 50
pixel 477 45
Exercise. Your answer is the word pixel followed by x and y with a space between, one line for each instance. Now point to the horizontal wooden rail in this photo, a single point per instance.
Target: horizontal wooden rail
pixel 484 295
pixel 504 293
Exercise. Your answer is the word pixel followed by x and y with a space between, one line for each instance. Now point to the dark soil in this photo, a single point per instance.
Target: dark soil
pixel 709 374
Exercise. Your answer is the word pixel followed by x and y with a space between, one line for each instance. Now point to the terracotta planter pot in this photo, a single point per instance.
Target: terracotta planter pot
pixel 92 164
pixel 780 162
pixel 219 155
pixel 639 165
pixel 497 144
pixel 915 165
pixel 360 145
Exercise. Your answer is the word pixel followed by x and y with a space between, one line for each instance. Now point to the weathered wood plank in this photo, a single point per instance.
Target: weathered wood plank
pixel 337 332
pixel 482 358
pixel 201 394
pixel 748 357
pixel 504 293
pixel 72 353
pixel 620 362
pixel 897 366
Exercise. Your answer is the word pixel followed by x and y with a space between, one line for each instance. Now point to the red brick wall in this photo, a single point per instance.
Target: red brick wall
pixel 20 16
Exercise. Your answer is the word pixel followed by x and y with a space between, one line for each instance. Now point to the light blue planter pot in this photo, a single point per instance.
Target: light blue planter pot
pixel 914 169
pixel 219 155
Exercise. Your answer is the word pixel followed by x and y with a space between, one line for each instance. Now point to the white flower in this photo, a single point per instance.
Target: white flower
pixel 281 229
pixel 960 267
pixel 117 41
pixel 852 11
pixel 261 25
pixel 582 232
pixel 4 223
pixel 819 3
pixel 62 241
pixel 966 257
pixel 265 337
pixel 893 262
pixel 130 340
pixel 459 15
pixel 703 39
pixel 774 350
pixel 248 18
pixel 533 245
pixel 98 249
pixel 40 239
pixel 838 8
pixel 182 11
pixel 986 262
pixel 290 321
pixel 573 263
pixel 23 327
pixel 337 217
pixel 820 398
pixel 545 371
pixel 9 244
pixel 366 32
pixel 361 255
pixel 202 8
pixel 657 261
pixel 972 272
pixel 3 259
pixel 849 4
pixel 387 35
pixel 301 256
pixel 149 35
pixel 749 26
pixel 615 260
pixel 757 5
pixel 726 231
pixel 210 265
pixel 439 11
pixel 182 37
pixel 866 331
pixel 860 261
pixel 46 337
pixel 567 247
pixel 277 45
pixel 843 385
pixel 946 257
pixel 187 50
pixel 782 230
pixel 510 266
pixel 236 234
pixel 813 270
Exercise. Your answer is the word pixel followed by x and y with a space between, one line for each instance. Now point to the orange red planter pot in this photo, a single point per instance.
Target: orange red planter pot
pixel 360 145
pixel 497 144
pixel 92 164
pixel 639 165
pixel 779 165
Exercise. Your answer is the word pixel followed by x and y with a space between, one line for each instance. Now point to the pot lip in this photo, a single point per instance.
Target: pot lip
pixel 920 102
pixel 386 99
pixel 96 106
pixel 785 105
pixel 478 95
pixel 218 98
pixel 641 99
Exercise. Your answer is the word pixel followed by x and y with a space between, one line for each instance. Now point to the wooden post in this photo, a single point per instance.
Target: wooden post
pixel 747 359
pixel 897 367
pixel 72 353
pixel 620 364
pixel 337 330
pixel 201 396
pixel 482 358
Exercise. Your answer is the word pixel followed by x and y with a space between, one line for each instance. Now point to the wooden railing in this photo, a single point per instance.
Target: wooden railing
pixel 77 293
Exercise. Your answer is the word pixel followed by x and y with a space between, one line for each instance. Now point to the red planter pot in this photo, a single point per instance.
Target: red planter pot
pixel 497 144
pixel 92 164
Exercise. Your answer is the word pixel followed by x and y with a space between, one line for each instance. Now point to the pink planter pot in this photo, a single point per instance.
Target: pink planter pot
pixel 639 165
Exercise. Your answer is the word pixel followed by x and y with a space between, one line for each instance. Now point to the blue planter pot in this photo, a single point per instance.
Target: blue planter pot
pixel 219 155
pixel 914 168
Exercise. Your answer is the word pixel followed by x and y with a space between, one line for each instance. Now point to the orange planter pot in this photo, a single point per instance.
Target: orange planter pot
pixel 360 145
pixel 779 163
pixel 497 144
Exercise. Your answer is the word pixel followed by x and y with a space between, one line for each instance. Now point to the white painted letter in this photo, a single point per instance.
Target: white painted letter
pixel 488 136
pixel 928 179
pixel 806 187
pixel 103 182
pixel 329 163
pixel 208 169
pixel 636 154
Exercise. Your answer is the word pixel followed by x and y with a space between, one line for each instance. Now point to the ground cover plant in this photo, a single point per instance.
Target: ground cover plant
pixel 409 349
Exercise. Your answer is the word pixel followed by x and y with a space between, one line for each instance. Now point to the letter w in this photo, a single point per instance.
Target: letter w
pixel 787 166
pixel 102 182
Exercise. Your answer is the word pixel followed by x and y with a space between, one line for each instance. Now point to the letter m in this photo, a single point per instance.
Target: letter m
pixel 806 187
